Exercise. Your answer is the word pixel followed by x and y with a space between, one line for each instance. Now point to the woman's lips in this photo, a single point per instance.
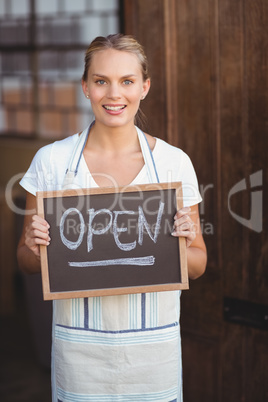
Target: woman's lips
pixel 114 109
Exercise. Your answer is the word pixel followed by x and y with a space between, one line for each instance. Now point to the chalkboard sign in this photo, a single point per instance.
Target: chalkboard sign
pixel 108 241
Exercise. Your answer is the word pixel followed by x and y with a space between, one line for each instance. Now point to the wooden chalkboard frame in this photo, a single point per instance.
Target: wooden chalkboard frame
pixel 180 244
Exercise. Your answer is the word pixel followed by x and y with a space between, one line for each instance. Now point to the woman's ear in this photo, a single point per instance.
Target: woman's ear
pixel 145 88
pixel 85 88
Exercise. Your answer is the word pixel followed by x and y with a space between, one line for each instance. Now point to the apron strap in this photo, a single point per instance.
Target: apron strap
pixel 75 159
pixel 148 157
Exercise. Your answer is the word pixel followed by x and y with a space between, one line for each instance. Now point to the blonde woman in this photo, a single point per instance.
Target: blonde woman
pixel 115 348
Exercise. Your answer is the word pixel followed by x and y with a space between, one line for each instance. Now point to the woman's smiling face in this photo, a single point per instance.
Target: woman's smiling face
pixel 115 87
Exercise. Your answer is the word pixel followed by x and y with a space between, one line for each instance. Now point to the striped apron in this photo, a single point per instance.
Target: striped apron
pixel 117 348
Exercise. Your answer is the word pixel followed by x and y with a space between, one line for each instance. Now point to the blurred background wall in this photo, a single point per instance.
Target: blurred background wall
pixel 42 46
pixel 209 96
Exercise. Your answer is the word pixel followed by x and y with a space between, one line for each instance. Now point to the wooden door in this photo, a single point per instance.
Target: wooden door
pixel 209 96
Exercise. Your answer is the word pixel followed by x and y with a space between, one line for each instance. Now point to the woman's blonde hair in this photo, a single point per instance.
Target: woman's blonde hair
pixel 124 43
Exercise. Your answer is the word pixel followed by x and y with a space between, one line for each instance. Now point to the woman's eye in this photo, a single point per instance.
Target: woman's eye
pixel 128 82
pixel 100 82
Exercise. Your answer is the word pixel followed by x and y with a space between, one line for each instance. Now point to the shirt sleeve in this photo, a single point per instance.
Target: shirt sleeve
pixel 190 188
pixel 38 174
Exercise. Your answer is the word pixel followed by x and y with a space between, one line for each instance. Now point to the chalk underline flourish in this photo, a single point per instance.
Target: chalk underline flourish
pixel 140 261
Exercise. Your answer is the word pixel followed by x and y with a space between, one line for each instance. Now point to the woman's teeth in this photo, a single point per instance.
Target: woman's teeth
pixel 114 108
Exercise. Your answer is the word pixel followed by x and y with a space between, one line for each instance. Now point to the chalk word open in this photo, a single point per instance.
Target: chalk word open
pixel 116 230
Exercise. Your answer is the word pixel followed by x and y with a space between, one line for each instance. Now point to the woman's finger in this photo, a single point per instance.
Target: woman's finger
pixel 183 220
pixel 181 212
pixel 36 234
pixel 36 219
pixel 35 229
pixel 33 242
pixel 184 226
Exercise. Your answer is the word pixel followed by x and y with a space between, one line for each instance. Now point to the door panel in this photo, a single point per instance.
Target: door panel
pixel 209 96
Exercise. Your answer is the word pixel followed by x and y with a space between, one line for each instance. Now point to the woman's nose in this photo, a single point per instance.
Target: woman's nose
pixel 114 91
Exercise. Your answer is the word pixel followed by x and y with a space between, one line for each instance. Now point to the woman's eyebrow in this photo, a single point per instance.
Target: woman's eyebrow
pixel 129 75
pixel 104 76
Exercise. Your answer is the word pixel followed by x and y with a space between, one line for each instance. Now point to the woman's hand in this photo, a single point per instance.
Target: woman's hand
pixel 184 225
pixel 36 234
pixel 187 224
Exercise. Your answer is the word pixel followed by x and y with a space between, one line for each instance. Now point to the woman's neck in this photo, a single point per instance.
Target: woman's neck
pixel 113 139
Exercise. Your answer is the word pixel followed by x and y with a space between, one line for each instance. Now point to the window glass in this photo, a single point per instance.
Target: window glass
pixel 19 8
pixel 46 7
pixel 71 6
pixel 2 8
pixel 42 45
pixel 105 5
pixel 14 32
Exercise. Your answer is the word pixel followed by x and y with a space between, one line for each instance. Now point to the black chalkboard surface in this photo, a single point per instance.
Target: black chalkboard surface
pixel 107 241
